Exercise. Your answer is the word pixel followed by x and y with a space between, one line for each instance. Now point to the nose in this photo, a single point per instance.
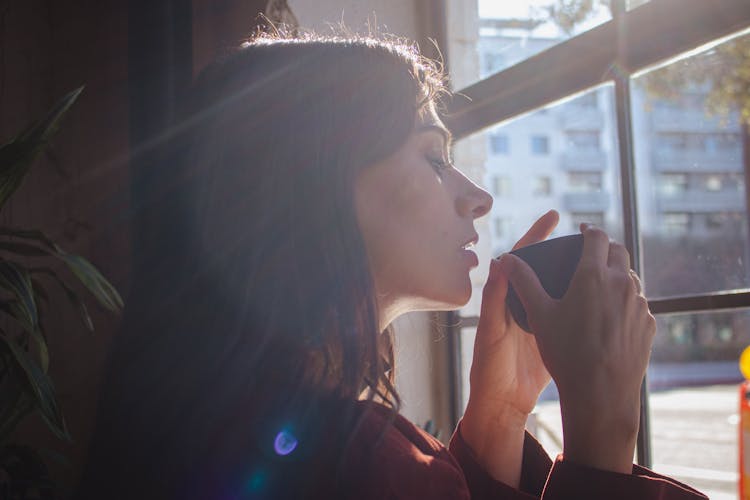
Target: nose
pixel 473 201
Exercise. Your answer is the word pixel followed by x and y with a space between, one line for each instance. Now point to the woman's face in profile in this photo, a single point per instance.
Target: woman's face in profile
pixel 416 213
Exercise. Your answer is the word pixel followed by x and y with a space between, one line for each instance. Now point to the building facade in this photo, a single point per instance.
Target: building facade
pixel 689 171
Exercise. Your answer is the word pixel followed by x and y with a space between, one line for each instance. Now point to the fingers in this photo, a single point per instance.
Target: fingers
pixel 637 282
pixel 493 294
pixel 539 230
pixel 526 283
pixel 618 257
pixel 595 246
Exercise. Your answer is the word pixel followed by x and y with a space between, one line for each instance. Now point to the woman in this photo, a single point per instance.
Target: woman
pixel 307 200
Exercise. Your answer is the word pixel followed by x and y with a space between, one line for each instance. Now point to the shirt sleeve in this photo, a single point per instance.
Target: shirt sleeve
pixel 535 468
pixel 571 480
pixel 563 479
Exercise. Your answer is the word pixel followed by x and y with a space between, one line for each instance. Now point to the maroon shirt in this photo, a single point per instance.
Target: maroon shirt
pixel 408 463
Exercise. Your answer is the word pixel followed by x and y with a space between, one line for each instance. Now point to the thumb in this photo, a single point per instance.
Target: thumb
pixel 526 283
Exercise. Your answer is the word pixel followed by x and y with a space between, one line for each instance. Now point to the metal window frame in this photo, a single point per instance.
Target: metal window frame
pixel 610 53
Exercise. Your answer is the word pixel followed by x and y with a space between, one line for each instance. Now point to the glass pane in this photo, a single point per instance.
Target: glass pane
pixel 689 140
pixel 694 384
pixel 634 4
pixel 510 32
pixel 564 157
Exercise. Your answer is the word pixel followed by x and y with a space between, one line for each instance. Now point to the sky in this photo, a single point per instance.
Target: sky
pixel 516 9
pixel 524 9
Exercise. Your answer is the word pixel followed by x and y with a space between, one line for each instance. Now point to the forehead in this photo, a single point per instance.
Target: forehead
pixel 429 121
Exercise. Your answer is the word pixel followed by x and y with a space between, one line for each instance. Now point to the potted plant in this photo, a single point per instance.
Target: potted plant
pixel 27 268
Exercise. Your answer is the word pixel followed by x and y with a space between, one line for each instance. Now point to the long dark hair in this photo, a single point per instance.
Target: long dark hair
pixel 258 301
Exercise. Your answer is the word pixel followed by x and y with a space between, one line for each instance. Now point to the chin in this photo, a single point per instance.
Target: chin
pixel 457 298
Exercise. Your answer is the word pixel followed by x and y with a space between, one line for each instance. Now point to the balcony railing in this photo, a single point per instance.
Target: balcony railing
pixel 692 120
pixel 581 118
pixel 693 201
pixel 729 160
pixel 588 201
pixel 583 161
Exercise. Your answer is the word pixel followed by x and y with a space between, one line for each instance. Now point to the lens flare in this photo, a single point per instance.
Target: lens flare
pixel 285 443
pixel 256 482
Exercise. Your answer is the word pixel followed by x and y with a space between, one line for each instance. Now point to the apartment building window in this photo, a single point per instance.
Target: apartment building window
pixel 720 142
pixel 539 144
pixel 673 184
pixel 501 227
pixel 583 141
pixel 676 224
pixel 542 186
pixel 595 218
pixel 734 182
pixel 706 142
pixel 725 221
pixel 499 144
pixel 584 182
pixel 501 185
pixel 713 183
pixel 672 120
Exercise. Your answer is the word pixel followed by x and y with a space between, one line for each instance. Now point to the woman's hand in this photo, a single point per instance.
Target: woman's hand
pixel 507 374
pixel 595 342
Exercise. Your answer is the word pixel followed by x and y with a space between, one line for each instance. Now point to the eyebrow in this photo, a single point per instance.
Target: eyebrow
pixel 447 136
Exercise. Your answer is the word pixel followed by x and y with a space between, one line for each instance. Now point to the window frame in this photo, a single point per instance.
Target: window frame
pixel 633 41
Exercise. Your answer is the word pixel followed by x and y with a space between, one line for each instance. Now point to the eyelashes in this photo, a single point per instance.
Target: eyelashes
pixel 440 165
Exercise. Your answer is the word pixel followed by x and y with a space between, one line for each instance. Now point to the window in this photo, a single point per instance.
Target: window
pixel 673 184
pixel 595 218
pixel 493 63
pixel 501 225
pixel 675 129
pixel 542 186
pixel 499 144
pixel 715 221
pixel 676 224
pixel 584 182
pixel 540 144
pixel 501 185
pixel 583 141
pixel 514 31
pixel 587 100
pixel 725 222
pixel 713 183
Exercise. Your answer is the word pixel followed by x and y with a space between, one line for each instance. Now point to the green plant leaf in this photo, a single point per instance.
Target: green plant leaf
pixel 17 155
pixel 29 234
pixel 39 291
pixel 14 408
pixel 74 299
pixel 24 249
pixel 15 311
pixel 15 402
pixel 92 279
pixel 16 280
pixel 39 387
pixel 89 275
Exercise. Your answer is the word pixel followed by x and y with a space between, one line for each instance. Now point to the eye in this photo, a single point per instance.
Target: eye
pixel 439 164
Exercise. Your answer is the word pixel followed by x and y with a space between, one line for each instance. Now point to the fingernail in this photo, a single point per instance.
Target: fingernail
pixel 502 261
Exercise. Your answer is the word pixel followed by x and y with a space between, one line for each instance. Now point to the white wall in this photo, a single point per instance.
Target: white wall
pixel 419 377
pixel 393 16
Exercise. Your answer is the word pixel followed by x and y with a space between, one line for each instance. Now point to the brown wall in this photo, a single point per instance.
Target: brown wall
pixel 78 194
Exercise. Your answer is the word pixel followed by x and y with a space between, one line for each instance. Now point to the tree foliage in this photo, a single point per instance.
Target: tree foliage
pixel 723 72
